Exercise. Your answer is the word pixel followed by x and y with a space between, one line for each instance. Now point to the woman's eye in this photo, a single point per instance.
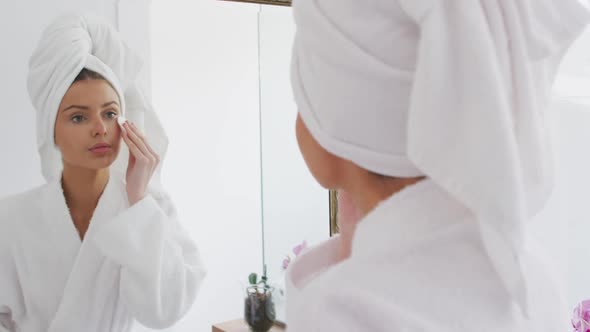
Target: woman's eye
pixel 77 118
pixel 111 115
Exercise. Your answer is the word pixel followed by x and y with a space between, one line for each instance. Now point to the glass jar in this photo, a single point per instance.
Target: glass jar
pixel 259 308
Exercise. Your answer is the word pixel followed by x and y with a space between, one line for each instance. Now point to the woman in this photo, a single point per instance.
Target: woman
pixel 99 246
pixel 428 116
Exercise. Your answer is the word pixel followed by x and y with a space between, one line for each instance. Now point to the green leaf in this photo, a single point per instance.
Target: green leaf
pixel 252 278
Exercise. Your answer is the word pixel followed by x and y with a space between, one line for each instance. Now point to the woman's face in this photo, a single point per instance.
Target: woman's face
pixel 87 116
pixel 324 166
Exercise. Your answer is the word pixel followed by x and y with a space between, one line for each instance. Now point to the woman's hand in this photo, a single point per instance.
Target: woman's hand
pixel 142 163
pixel 348 217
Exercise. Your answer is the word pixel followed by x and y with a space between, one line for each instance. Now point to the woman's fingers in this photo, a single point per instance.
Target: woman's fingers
pixel 144 144
pixel 133 148
pixel 137 132
pixel 142 162
pixel 139 143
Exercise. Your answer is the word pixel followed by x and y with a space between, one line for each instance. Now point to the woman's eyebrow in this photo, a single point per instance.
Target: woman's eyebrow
pixel 110 103
pixel 76 106
pixel 87 108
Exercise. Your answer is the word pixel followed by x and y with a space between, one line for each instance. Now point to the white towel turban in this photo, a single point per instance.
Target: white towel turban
pixel 450 89
pixel 69 44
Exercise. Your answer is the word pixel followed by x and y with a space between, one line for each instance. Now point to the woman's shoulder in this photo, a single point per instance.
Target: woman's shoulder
pixel 24 195
pixel 23 209
pixel 20 204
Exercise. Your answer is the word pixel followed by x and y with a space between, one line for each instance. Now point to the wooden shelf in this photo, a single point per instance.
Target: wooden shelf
pixel 239 325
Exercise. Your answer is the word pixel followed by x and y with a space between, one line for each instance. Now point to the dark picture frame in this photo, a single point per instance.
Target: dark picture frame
pixel 266 2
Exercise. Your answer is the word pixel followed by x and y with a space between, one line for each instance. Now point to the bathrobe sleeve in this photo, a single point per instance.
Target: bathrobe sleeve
pixel 317 303
pixel 11 297
pixel 339 309
pixel 9 292
pixel 321 297
pixel 8 289
pixel 477 111
pixel 161 268
pixel 6 323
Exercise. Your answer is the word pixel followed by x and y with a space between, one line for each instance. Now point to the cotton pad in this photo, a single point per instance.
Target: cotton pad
pixel 121 120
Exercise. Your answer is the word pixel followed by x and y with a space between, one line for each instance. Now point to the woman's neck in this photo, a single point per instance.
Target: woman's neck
pixel 372 190
pixel 83 187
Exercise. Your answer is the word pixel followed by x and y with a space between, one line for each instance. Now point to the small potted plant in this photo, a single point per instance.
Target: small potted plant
pixel 259 309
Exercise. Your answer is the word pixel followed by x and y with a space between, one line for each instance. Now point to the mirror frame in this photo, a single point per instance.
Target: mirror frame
pixel 266 2
pixel 334 213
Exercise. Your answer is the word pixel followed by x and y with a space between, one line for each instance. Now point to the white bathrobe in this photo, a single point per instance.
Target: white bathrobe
pixel 417 265
pixel 135 263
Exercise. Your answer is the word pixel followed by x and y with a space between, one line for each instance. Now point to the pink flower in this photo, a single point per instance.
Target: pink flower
pixel 297 251
pixel 581 318
pixel 299 248
pixel 286 262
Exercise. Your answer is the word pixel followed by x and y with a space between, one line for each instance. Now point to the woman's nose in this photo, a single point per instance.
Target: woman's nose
pixel 99 128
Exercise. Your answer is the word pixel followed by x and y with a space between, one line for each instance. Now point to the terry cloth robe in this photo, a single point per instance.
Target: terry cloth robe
pixel 135 263
pixel 417 265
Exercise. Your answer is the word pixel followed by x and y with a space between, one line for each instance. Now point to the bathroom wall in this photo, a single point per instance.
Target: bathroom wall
pixel 573 141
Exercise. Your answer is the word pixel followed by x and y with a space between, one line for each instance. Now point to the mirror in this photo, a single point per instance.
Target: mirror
pixel 205 85
pixel 292 202
pixel 230 93
pixel 206 88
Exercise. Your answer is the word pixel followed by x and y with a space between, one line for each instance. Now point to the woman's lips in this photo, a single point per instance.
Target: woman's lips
pixel 101 148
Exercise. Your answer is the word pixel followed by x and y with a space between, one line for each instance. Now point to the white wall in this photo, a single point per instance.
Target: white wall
pixel 572 122
pixel 574 126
